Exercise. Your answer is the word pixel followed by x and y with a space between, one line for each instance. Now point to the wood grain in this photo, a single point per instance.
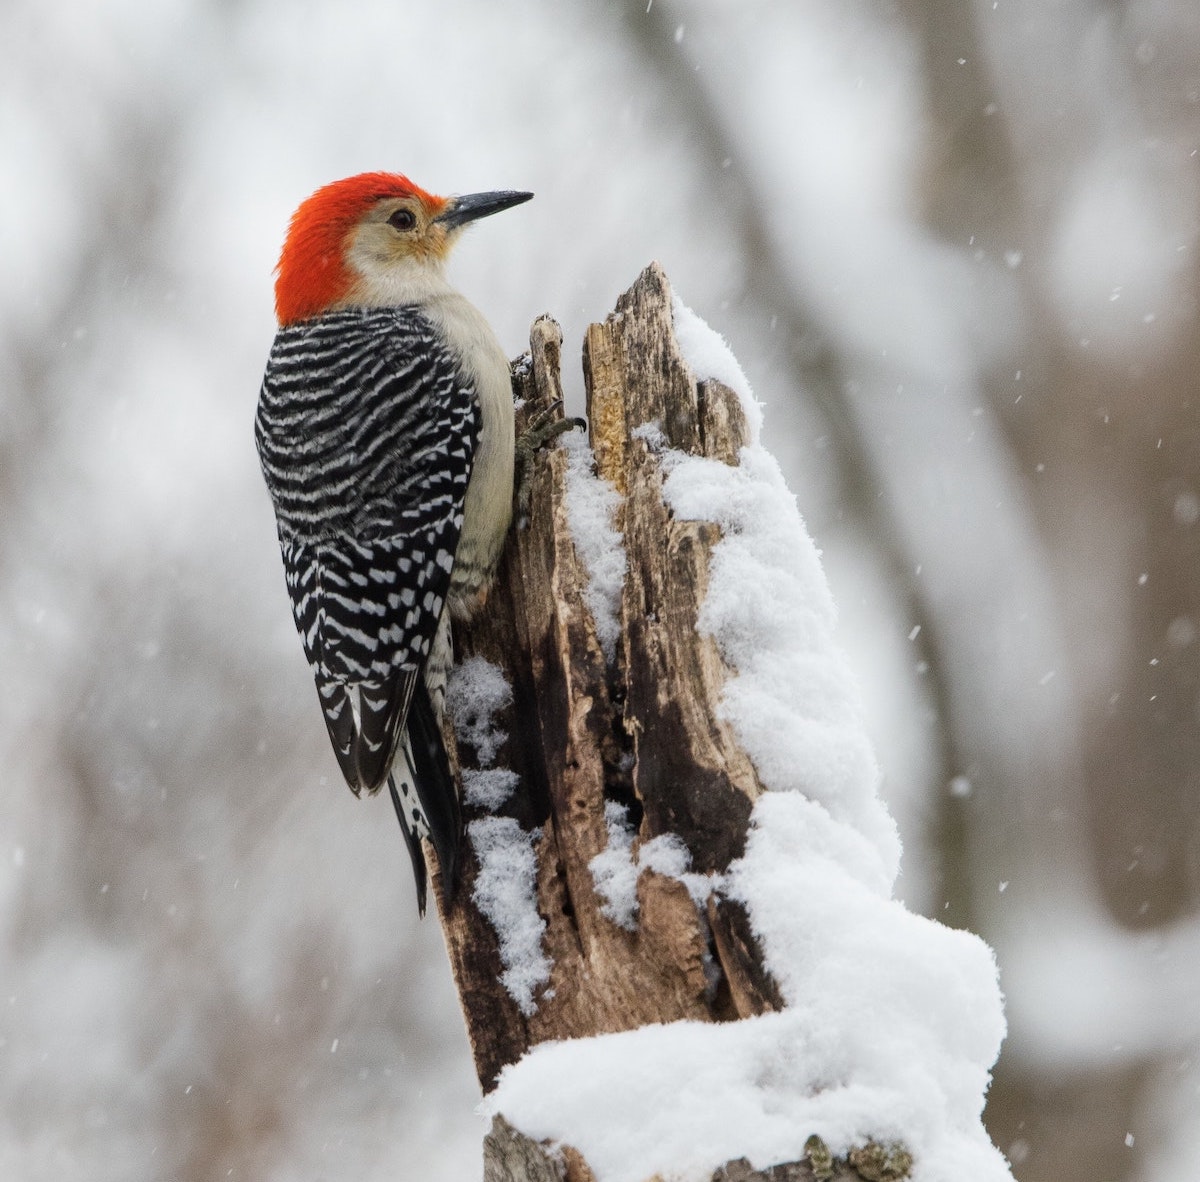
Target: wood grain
pixel 644 732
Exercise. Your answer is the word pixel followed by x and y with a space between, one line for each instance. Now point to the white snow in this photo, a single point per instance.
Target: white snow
pixel 488 788
pixel 505 890
pixel 475 691
pixel 794 703
pixel 652 434
pixel 591 507
pixel 708 355
pixel 505 895
pixel 668 856
pixel 1113 265
pixel 892 1021
pixel 616 869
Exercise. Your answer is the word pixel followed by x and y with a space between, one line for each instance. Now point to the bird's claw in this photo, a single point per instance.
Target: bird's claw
pixel 543 428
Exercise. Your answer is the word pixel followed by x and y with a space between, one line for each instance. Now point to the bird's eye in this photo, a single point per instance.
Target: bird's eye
pixel 403 219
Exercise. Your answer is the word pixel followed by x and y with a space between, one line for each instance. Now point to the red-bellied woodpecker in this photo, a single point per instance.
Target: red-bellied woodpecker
pixel 385 432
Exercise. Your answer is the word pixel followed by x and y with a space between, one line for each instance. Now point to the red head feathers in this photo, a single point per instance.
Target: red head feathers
pixel 312 274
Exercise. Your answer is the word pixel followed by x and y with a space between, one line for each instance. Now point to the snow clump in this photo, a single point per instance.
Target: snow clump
pixel 505 893
pixel 475 691
pixel 591 510
pixel 506 888
pixel 615 870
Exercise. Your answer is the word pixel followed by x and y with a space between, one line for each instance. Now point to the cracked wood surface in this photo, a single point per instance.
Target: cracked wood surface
pixel 644 732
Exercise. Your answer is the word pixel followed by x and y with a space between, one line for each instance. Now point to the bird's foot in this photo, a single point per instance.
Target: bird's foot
pixel 544 427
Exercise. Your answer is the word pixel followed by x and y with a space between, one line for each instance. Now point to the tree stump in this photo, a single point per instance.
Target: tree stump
pixel 626 746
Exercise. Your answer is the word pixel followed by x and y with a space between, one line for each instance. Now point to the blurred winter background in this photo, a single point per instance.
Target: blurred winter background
pixel 953 244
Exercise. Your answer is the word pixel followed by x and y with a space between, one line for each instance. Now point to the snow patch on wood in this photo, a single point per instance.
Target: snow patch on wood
pixel 505 893
pixel 475 692
pixel 592 505
pixel 616 869
pixel 488 788
pixel 792 701
pixel 709 356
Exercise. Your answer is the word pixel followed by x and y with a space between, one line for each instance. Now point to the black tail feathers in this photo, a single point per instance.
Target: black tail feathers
pixel 435 785
pixel 412 839
pixel 426 800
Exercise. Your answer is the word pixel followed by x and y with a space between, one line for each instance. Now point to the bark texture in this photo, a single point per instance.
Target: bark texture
pixel 639 729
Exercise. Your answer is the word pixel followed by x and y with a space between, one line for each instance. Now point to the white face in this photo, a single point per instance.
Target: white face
pixel 396 252
pixel 398 229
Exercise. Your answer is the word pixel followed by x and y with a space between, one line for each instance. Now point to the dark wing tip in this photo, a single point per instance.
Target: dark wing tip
pixel 382 711
pixel 339 720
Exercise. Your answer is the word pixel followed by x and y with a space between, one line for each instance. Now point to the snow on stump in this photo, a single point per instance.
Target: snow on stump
pixel 674 940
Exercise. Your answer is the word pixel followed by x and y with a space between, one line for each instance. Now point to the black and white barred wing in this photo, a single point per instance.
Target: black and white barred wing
pixel 366 430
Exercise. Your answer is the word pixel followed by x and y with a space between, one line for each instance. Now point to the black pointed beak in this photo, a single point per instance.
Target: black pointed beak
pixel 462 210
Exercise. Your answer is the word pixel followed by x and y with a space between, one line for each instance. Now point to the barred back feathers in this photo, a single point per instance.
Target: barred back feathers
pixel 368 489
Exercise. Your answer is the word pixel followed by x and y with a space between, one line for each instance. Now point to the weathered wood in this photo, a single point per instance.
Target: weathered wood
pixel 643 732
pixel 510 1156
pixel 692 778
pixel 742 1171
pixel 567 743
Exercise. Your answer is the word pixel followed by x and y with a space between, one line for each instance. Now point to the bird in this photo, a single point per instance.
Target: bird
pixel 385 432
